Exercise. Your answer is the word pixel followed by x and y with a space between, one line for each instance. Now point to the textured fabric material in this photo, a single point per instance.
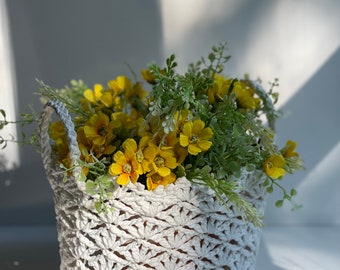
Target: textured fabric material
pixel 180 226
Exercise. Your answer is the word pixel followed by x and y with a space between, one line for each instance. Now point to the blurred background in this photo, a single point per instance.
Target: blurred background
pixel 295 41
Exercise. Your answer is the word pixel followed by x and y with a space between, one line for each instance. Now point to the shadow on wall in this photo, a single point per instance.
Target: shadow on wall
pixel 313 121
pixel 56 41
pixel 261 40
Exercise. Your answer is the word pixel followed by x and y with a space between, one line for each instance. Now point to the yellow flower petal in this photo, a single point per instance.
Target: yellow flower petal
pixel 94 96
pixel 129 154
pixel 90 131
pixel 184 140
pixel 163 171
pixel 130 144
pixel 289 150
pixel 134 177
pixel 88 94
pixel 119 155
pixel 115 169
pixel 194 150
pixel 187 129
pixel 148 76
pixel 150 152
pixel 99 141
pixel 97 91
pixel 150 184
pixel 204 145
pixel 206 134
pixel 197 126
pixel 107 99
pixel 171 162
pixel 123 179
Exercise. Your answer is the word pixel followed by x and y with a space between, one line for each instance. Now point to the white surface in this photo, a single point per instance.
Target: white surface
pixel 302 247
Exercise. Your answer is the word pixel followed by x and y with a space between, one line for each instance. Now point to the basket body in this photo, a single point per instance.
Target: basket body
pixel 180 226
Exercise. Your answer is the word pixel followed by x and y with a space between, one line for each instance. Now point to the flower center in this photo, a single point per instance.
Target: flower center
pixel 193 139
pixel 127 168
pixel 156 178
pixel 102 130
pixel 139 156
pixel 159 161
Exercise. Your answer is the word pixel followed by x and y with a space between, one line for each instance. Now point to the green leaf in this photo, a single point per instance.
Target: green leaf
pixel 99 207
pixel 270 189
pixel 3 112
pixel 279 203
pixel 211 57
pixel 293 192
pixel 267 182
pixel 91 187
pixel 4 142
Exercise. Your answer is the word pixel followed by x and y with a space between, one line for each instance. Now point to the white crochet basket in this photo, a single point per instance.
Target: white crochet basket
pixel 180 226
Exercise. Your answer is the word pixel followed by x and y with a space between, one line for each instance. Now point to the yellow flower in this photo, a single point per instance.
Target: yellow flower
pixel 169 140
pixel 84 155
pixel 147 128
pixel 161 161
pixel 94 95
pixel 57 130
pixel 58 134
pixel 120 84
pixel 105 149
pixel 196 137
pixel 126 167
pixel 81 137
pixel 180 153
pixel 131 144
pixel 148 76
pixel 107 98
pixel 245 96
pixel 289 150
pixel 125 120
pixel 135 92
pixel 274 166
pixel 98 150
pixel 181 119
pixel 166 141
pixel 219 88
pixel 154 179
pixel 98 129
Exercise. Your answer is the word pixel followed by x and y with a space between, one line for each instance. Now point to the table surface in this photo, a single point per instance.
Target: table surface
pixel 282 248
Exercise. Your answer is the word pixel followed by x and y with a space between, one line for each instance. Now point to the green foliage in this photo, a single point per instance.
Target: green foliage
pixel 232 108
pixel 69 95
pixel 287 196
pixel 26 119
pixel 240 138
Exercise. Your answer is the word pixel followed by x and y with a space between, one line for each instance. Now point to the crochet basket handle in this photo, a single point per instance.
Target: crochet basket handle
pixel 46 151
pixel 267 102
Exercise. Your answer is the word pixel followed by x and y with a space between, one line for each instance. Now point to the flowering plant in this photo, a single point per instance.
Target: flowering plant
pixel 201 125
